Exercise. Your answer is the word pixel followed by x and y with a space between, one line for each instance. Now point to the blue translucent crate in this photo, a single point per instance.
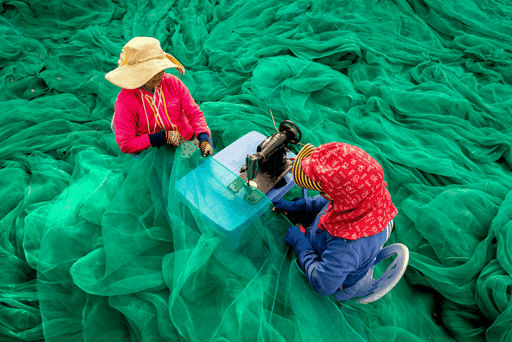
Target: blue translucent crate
pixel 231 210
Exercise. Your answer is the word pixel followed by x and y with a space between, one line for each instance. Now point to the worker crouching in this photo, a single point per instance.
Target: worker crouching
pixel 346 226
pixel 154 108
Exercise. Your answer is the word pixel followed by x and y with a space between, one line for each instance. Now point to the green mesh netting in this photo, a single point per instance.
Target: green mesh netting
pixel 98 246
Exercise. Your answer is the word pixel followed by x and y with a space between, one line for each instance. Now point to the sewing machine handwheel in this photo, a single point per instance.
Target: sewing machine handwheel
pixel 294 125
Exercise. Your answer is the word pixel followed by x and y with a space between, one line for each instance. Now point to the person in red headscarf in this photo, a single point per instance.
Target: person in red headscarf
pixel 348 224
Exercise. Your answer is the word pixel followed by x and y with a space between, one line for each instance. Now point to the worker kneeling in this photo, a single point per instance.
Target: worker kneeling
pixel 348 224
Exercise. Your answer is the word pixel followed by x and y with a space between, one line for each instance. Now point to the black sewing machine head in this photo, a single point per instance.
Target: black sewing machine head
pixel 266 169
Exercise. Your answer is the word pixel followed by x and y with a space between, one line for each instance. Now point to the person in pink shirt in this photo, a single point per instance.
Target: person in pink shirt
pixel 154 108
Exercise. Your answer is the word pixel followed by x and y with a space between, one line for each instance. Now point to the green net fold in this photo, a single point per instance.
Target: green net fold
pixel 96 245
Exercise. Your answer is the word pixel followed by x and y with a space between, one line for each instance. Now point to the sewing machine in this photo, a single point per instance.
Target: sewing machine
pixel 228 188
pixel 266 169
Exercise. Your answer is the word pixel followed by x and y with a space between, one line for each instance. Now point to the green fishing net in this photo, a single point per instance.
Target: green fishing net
pixel 96 245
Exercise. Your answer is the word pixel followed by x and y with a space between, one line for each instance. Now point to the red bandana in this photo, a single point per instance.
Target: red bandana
pixel 361 205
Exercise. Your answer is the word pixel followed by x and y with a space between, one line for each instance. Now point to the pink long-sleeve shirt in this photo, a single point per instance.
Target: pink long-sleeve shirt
pixel 171 105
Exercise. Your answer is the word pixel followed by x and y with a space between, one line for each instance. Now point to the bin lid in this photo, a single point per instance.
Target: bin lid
pixel 222 196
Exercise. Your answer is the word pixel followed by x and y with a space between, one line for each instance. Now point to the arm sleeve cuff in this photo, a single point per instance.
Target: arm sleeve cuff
pixel 157 139
pixel 304 250
pixel 316 204
pixel 202 137
pixel 313 206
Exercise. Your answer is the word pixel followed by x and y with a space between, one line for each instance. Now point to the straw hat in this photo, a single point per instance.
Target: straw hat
pixel 141 59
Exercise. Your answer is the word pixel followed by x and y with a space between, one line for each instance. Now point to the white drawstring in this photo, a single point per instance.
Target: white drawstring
pixel 156 108
pixel 145 112
pixel 160 99
pixel 157 104
pixel 154 102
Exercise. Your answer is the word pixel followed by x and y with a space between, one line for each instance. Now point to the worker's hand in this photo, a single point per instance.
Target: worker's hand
pixel 206 148
pixel 293 210
pixel 293 234
pixel 173 138
pixel 297 210
pixel 291 207
pixel 295 238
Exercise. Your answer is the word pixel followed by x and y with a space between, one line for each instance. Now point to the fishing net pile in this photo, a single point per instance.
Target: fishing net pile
pixel 96 245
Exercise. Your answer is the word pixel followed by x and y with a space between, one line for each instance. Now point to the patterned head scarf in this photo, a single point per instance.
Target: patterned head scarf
pixel 361 205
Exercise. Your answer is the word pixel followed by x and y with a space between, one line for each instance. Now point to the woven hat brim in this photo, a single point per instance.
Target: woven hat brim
pixel 299 176
pixel 133 77
pixel 178 65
